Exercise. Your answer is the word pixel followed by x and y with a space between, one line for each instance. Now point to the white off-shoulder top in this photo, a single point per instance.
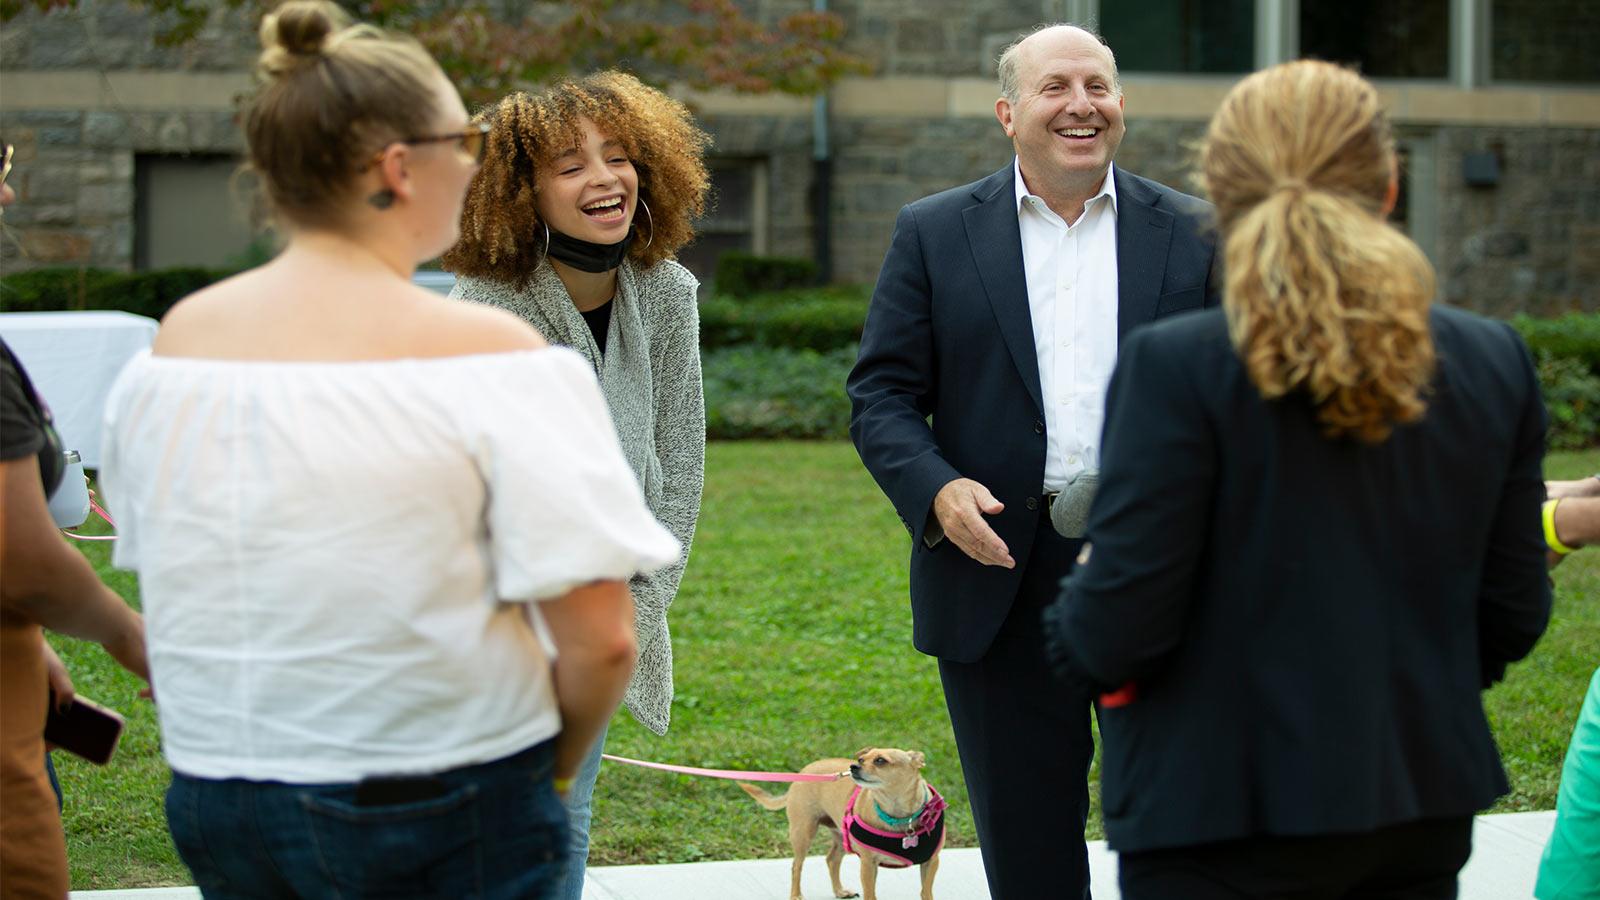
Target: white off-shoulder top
pixel 334 558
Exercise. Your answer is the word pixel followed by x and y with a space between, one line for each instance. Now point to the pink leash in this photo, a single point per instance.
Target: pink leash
pixel 102 514
pixel 726 773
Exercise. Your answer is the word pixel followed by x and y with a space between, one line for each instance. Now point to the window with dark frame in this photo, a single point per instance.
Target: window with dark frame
pixel 1552 41
pixel 730 221
pixel 1187 36
pixel 1381 38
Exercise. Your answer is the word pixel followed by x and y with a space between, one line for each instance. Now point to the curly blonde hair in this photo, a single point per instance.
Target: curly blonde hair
pixel 1321 294
pixel 502 235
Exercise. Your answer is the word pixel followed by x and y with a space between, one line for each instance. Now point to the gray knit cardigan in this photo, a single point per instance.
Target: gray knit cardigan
pixel 650 376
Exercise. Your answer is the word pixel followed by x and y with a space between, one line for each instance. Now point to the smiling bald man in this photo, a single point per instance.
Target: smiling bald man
pixel 977 398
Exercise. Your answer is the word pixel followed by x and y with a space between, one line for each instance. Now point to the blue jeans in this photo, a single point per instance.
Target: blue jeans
pixel 580 812
pixel 494 831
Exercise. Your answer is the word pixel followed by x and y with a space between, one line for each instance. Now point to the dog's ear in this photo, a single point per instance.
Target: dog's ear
pixel 917 758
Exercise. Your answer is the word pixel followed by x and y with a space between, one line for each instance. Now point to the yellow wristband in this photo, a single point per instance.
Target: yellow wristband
pixel 1550 539
pixel 562 785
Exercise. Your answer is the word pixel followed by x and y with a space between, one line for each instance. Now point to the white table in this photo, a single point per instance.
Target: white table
pixel 72 358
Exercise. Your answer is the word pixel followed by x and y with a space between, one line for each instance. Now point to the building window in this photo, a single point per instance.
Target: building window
pixel 735 218
pixel 1190 36
pixel 187 213
pixel 1552 41
pixel 1383 39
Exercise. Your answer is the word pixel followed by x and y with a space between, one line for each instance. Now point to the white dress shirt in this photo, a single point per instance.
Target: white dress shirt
pixel 341 563
pixel 1071 272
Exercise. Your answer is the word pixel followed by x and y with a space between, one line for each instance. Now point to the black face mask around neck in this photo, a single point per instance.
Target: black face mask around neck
pixel 587 256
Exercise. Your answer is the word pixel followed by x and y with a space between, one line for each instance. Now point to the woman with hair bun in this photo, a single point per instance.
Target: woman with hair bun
pixel 383 539
pixel 587 190
pixel 1317 537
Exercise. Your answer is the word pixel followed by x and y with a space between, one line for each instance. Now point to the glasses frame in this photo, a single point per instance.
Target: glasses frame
pixel 479 130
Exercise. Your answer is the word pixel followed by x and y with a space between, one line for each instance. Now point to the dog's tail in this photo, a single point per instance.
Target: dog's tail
pixel 764 798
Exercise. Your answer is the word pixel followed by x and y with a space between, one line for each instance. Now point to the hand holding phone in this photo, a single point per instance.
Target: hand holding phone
pixel 84 728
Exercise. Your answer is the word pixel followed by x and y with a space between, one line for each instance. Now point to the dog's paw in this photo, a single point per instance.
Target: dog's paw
pixel 843 894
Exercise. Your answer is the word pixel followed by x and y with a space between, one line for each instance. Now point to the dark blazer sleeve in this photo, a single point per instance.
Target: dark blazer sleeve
pixel 1122 614
pixel 892 385
pixel 1514 600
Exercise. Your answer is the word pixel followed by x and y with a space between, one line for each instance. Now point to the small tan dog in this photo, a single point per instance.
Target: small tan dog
pixel 883 812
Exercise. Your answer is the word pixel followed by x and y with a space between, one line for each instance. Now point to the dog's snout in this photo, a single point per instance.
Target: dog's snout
pixel 855 768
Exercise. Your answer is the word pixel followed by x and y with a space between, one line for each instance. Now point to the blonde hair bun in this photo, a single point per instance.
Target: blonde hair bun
pixel 296 34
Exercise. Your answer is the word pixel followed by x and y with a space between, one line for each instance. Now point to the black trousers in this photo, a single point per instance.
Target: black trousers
pixel 1414 861
pixel 1025 745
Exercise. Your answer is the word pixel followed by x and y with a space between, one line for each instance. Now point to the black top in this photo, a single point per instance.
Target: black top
pixel 1308 622
pixel 25 427
pixel 599 322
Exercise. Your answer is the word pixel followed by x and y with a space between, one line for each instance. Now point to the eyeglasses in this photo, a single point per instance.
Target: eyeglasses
pixel 474 139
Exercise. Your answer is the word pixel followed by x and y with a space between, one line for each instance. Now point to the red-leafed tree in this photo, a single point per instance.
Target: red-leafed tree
pixel 489 48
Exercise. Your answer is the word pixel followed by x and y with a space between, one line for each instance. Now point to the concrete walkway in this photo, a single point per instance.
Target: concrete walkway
pixel 1505 859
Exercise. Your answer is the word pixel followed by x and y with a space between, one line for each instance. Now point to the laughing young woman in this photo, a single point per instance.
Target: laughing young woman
pixel 586 192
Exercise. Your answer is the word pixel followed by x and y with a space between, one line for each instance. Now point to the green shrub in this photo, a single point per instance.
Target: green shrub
pixel 1572 398
pixel 767 392
pixel 820 319
pixel 744 274
pixel 141 293
pixel 152 293
pixel 1573 336
pixel 49 290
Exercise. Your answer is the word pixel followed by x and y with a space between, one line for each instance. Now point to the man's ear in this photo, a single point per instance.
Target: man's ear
pixel 1002 111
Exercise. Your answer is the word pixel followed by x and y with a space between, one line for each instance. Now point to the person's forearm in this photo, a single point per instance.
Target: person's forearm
pixel 1578 487
pixel 589 688
pixel 44 578
pixel 1577 520
pixel 595 649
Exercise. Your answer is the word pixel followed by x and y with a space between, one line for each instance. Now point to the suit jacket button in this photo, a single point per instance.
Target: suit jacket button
pixel 1038 426
pixel 1031 503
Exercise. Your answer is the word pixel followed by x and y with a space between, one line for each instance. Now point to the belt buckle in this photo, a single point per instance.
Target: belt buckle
pixel 1050 500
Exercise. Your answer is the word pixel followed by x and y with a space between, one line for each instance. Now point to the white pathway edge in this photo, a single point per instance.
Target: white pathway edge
pixel 1505 860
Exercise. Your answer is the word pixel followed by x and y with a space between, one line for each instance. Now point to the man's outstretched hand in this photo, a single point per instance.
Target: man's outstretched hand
pixel 960 507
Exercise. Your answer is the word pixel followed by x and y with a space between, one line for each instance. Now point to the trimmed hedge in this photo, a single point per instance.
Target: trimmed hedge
pixel 777 392
pixel 820 319
pixel 1572 399
pixel 142 293
pixel 1572 336
pixel 745 274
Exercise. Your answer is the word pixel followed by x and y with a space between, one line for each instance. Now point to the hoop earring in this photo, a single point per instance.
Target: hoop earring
pixel 546 252
pixel 652 224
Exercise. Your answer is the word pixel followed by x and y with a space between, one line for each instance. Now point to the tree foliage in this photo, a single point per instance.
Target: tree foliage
pixel 490 47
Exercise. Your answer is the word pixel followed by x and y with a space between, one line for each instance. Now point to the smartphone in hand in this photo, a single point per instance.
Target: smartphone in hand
pixel 84 728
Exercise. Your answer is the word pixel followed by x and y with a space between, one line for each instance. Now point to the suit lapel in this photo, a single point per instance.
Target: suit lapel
pixel 996 242
pixel 1144 233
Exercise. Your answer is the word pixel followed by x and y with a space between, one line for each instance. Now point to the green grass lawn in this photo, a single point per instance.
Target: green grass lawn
pixel 793 641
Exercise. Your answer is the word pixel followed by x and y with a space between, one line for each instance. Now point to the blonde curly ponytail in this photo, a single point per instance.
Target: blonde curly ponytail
pixel 1322 296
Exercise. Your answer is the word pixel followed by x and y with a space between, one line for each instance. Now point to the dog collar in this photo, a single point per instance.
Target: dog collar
pixel 901 821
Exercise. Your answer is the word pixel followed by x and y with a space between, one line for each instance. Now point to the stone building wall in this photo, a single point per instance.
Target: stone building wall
pixel 1532 242
pixel 918 126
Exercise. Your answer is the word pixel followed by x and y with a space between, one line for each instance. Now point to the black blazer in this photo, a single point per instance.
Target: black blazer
pixel 1309 622
pixel 949 335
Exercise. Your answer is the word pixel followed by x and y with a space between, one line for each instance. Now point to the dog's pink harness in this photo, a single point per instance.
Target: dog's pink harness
pixel 904 848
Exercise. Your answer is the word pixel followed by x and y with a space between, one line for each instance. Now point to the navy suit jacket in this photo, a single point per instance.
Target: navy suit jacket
pixel 949 337
pixel 1308 621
